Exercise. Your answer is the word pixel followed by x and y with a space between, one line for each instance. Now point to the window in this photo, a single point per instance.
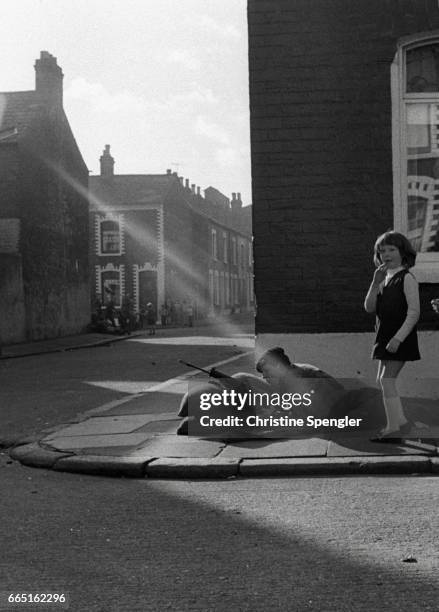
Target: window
pixel 111 290
pixel 214 245
pixel 110 238
pixel 234 252
pixel 216 287
pixel 211 288
pixel 227 288
pixel 242 255
pixel 225 247
pixel 415 105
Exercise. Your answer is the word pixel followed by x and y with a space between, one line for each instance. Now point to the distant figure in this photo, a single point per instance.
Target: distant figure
pixel 110 312
pixel 164 315
pixel 172 314
pixel 178 313
pixel 151 318
pixel 142 316
pixel 127 315
pixel 190 315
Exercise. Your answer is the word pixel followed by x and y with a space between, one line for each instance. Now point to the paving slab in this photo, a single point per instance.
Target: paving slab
pixel 179 446
pixel 297 447
pixel 164 426
pixel 103 425
pixel 74 443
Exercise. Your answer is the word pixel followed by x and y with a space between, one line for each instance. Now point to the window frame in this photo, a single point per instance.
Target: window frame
pixel 214 252
pixel 427 264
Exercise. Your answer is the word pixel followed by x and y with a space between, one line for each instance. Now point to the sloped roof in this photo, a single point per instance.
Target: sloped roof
pixel 17 110
pixel 123 190
pixel 126 190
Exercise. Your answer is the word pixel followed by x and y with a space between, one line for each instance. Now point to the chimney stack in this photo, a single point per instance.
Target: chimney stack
pixel 193 187
pixel 186 184
pixel 169 171
pixel 49 79
pixel 236 202
pixel 107 163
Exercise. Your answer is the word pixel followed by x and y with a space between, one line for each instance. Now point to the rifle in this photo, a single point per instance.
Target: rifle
pixel 213 372
pixel 228 382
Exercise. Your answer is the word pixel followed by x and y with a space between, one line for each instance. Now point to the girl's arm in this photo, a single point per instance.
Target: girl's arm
pixel 411 292
pixel 370 301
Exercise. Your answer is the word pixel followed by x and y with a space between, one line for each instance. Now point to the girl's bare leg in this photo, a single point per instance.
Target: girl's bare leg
pixel 388 372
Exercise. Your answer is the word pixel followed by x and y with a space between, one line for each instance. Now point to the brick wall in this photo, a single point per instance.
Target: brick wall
pixel 9 170
pixel 53 182
pixel 180 274
pixel 12 319
pixel 321 154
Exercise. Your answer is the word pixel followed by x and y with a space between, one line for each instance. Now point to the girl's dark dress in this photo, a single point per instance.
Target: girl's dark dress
pixel 391 311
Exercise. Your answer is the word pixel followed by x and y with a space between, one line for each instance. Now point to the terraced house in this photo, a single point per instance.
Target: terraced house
pixel 44 268
pixel 155 238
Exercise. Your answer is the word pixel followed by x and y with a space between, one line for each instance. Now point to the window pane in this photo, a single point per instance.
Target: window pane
pixel 110 237
pixel 423 69
pixel 423 175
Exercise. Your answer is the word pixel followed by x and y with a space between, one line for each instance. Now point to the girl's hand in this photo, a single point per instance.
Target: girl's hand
pixel 379 274
pixel 393 345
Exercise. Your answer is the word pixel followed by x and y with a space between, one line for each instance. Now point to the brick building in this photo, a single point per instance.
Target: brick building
pixel 344 99
pixel 44 269
pixel 156 239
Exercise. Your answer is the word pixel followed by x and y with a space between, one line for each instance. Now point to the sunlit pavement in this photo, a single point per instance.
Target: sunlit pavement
pixel 136 434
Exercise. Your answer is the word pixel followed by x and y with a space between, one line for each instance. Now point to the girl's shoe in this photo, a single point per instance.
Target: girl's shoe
pixel 394 437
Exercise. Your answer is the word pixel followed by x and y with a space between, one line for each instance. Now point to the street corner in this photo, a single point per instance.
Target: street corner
pixel 36 455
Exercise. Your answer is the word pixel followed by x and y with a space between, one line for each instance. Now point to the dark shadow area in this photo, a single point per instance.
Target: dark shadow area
pixel 153 546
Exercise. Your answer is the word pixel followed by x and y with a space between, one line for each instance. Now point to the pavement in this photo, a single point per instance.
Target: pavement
pixel 136 436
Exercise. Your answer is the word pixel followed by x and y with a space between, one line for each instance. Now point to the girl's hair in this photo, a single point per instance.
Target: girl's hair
pixel 408 253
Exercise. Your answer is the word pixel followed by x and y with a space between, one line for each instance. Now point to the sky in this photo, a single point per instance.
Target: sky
pixel 163 82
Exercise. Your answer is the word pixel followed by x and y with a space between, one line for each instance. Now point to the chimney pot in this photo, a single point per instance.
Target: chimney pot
pixel 186 183
pixel 198 191
pixel 233 196
pixel 193 187
pixel 107 163
pixel 168 171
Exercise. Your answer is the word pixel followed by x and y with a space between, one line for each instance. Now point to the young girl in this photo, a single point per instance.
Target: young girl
pixel 394 296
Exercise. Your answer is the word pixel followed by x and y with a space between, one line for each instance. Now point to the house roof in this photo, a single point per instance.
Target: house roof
pixel 17 110
pixel 123 190
pixel 126 190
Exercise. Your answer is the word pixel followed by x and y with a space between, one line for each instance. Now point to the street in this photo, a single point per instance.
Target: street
pixel 43 391
pixel 115 544
pixel 323 544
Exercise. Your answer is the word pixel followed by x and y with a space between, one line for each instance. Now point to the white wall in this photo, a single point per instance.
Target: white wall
pixel 347 355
